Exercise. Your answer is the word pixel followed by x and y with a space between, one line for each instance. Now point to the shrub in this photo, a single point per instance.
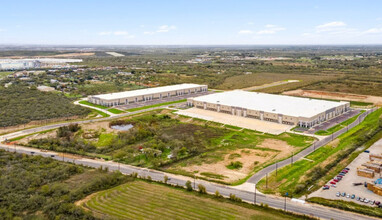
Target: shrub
pixel 189 186
pixel 234 198
pixel 217 194
pixel 235 165
pixel 202 189
pixel 165 179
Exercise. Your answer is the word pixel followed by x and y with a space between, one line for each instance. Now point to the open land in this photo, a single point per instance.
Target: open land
pixel 138 199
pixel 376 100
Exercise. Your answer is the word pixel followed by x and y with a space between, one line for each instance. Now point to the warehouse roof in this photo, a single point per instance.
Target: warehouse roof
pixel 279 104
pixel 139 92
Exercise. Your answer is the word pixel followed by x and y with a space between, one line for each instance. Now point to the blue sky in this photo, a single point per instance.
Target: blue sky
pixel 192 22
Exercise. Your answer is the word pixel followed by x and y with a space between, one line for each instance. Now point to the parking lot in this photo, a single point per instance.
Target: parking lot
pixel 158 101
pixel 346 184
pixel 243 122
pixel 330 123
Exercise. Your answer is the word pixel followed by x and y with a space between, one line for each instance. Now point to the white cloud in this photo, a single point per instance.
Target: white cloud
pixel 271 29
pixel 373 31
pixel 331 26
pixel 166 28
pixel 245 32
pixel 251 23
pixel 379 19
pixel 2 30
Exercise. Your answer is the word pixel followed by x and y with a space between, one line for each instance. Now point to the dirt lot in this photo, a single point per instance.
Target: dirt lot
pixel 248 158
pixel 37 136
pixel 249 123
pixel 346 184
pixel 335 95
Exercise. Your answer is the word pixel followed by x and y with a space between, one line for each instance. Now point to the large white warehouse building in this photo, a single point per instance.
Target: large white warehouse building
pixel 291 110
pixel 142 95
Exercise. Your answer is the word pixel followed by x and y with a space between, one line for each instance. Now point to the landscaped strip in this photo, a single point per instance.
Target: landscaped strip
pixel 103 114
pixel 156 105
pixel 115 111
pixel 91 104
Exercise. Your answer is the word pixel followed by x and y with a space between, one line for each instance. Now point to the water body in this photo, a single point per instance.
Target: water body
pixel 122 127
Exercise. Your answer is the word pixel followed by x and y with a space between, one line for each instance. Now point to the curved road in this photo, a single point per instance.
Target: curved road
pixel 247 195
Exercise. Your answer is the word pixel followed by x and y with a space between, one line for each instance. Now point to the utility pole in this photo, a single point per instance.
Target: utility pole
pixel 292 159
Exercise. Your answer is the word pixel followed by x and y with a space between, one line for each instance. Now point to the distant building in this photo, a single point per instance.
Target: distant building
pixel 283 109
pixel 143 95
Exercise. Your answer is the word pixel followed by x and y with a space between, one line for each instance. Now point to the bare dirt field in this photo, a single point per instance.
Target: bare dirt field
pixel 248 158
pixel 278 83
pixel 249 123
pixel 37 136
pixel 335 95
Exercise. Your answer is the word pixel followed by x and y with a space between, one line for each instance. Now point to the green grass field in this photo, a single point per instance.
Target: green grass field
pixel 103 114
pixel 4 73
pixel 93 105
pixel 142 200
pixel 156 105
pixel 115 111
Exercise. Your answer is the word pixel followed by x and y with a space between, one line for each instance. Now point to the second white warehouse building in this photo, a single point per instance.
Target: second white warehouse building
pixel 142 95
pixel 291 110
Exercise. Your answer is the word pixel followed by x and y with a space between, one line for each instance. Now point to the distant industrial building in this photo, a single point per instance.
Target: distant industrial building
pixel 19 64
pixel 22 64
pixel 290 110
pixel 143 95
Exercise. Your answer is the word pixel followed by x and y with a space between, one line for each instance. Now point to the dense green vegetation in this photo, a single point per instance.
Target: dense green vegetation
pixel 34 187
pixel 144 200
pixel 20 105
pixel 159 141
pixel 297 178
pixel 348 206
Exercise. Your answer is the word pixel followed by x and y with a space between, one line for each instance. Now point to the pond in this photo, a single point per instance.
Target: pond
pixel 122 127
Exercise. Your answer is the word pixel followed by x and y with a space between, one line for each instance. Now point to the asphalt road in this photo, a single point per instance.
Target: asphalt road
pixel 246 195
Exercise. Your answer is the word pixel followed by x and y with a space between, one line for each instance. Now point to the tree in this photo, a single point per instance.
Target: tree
pixel 189 185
